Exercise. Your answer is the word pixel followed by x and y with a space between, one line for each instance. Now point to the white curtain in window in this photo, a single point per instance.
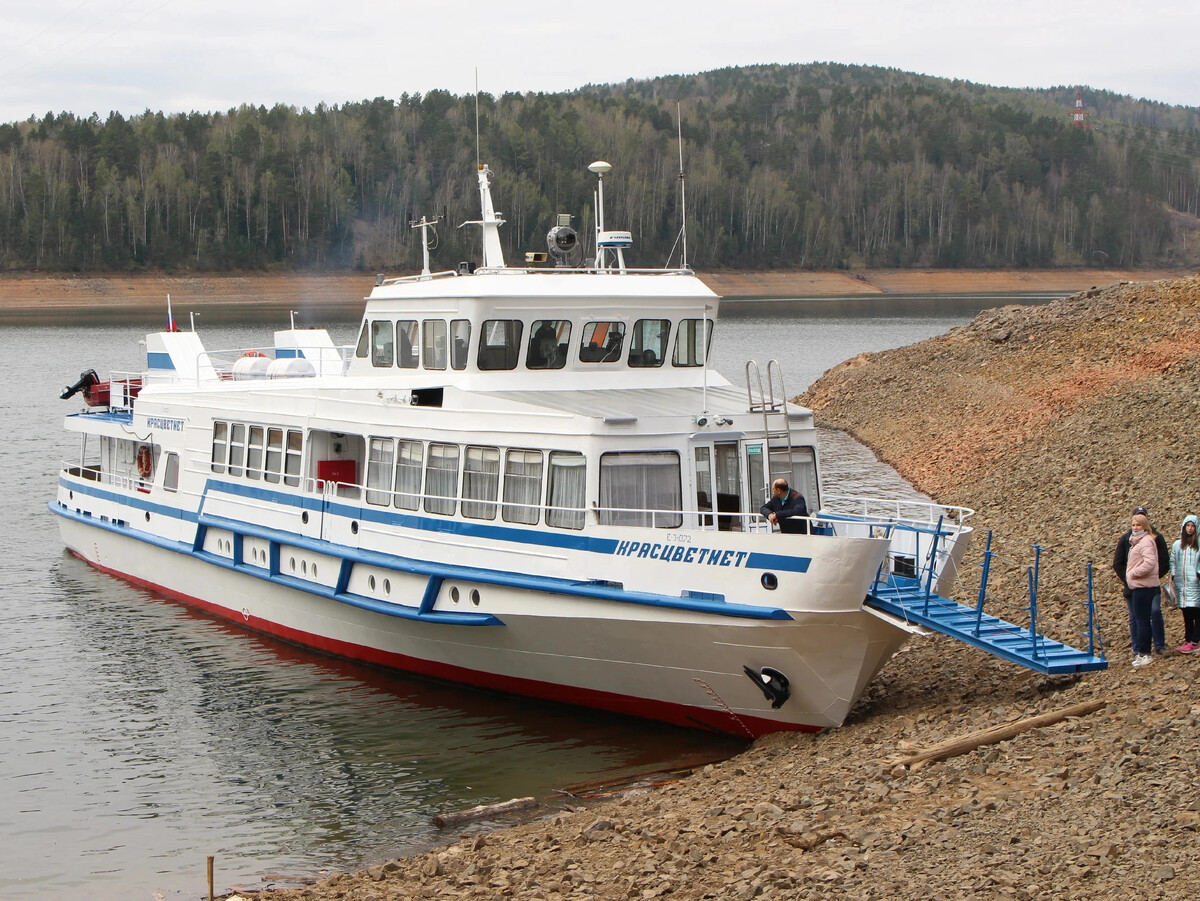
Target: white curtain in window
pixel 522 486
pixel 441 479
pixel 566 490
pixel 379 471
pixel 631 482
pixel 409 463
pixel 481 481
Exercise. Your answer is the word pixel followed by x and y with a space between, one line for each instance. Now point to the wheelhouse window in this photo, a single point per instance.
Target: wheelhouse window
pixel 522 486
pixel 254 452
pixel 548 344
pixel 641 489
pixel 601 342
pixel 648 343
pixel 380 452
pixel 566 486
pixel 220 446
pixel 689 351
pixel 381 343
pixel 500 344
pixel 441 479
pixel 364 342
pixel 481 482
pixel 406 344
pixel 274 454
pixel 460 343
pixel 237 448
pixel 433 343
pixel 409 463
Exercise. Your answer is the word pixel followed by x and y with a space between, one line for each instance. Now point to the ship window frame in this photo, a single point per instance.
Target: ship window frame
pixel 383 344
pixel 363 349
pixel 293 457
pixel 519 484
pixel 407 336
pixel 381 454
pixel 591 351
pixel 644 472
pixel 237 449
pixel 553 355
pixel 256 444
pixel 683 356
pixel 460 343
pixel 434 346
pixel 637 344
pixel 442 498
pixel 273 460
pixel 560 492
pixel 499 345
pixel 481 485
pixel 220 446
pixel 404 498
pixel 171 472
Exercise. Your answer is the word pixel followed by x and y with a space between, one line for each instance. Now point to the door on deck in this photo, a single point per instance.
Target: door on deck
pixel 719 486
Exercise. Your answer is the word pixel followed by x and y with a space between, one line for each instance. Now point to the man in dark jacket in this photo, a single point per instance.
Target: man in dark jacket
pixel 1121 559
pixel 786 509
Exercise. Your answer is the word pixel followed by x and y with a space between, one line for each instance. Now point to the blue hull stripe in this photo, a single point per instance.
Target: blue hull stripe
pixel 435 571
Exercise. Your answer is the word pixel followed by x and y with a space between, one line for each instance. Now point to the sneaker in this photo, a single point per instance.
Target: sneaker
pixel 1187 647
pixel 1143 660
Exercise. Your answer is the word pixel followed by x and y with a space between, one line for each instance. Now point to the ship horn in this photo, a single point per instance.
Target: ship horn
pixel 772 683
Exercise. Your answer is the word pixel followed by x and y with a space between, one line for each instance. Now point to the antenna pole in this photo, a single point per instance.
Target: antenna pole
pixel 682 183
pixel 477 118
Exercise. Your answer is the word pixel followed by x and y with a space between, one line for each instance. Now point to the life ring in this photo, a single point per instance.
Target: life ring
pixel 253 353
pixel 145 460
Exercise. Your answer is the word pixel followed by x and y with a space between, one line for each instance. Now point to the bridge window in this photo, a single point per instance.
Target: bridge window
pixel 406 344
pixel 364 342
pixel 641 489
pixel 601 342
pixel 460 343
pixel 648 343
pixel 433 343
pixel 566 486
pixel 409 462
pixel 441 479
pixel 548 344
pixel 688 348
pixel 381 343
pixel 500 344
pixel 481 481
pixel 522 486
pixel 379 471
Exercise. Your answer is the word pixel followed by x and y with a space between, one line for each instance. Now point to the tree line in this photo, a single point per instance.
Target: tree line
pixel 810 166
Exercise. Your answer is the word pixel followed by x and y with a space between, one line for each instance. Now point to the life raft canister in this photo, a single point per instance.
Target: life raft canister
pixel 145 461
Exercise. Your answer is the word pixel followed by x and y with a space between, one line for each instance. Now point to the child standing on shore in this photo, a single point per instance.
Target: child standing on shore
pixel 1141 575
pixel 1185 562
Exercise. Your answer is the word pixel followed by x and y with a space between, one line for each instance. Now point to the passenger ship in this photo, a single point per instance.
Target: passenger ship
pixel 521 478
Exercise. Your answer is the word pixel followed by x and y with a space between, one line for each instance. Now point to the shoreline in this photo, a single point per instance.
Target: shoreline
pixel 26 297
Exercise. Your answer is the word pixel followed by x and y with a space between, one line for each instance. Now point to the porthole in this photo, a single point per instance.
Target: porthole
pixel 475 597
pixel 71 497
pixel 147 516
pixel 387 587
pixel 770 581
pixel 354 527
pixel 304 517
pixel 371 582
pixel 314 571
pixel 304 567
pixel 454 594
pixel 292 563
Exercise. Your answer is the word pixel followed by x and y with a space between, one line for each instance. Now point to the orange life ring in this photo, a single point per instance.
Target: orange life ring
pixel 253 353
pixel 145 460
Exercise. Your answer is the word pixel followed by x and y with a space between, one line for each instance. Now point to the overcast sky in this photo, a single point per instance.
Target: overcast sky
pixel 87 56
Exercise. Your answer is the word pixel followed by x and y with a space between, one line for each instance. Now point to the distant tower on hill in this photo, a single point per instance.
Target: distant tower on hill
pixel 1079 114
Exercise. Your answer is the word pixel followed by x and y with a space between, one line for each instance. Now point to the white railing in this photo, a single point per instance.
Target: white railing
pixel 894 510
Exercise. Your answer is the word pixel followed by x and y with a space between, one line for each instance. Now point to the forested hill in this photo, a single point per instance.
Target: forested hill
pixel 816 166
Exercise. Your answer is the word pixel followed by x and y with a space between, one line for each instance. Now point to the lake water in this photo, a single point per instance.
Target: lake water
pixel 137 737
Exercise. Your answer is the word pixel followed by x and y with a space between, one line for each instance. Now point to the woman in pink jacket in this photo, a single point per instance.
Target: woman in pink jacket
pixel 1141 575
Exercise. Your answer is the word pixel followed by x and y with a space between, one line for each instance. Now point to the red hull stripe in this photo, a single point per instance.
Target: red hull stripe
pixel 676 714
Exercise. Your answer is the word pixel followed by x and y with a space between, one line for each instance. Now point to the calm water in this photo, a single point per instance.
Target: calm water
pixel 136 737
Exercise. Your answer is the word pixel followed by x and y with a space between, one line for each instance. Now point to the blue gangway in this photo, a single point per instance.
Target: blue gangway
pixel 911 600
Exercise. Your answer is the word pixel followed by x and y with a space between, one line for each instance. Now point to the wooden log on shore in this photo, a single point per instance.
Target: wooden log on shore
pixel 482 812
pixel 955 746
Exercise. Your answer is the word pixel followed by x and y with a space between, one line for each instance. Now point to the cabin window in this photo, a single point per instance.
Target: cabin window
pixel 500 344
pixel 171 472
pixel 406 344
pixel 688 348
pixel 274 454
pixel 648 343
pixel 409 462
pixel 254 452
pixel 481 482
pixel 433 343
pixel 799 467
pixel 295 452
pixel 441 479
pixel 601 342
pixel 566 487
pixel 379 471
pixel 237 448
pixel 220 446
pixel 548 344
pixel 522 486
pixel 641 489
pixel 364 342
pixel 704 485
pixel 381 343
pixel 460 342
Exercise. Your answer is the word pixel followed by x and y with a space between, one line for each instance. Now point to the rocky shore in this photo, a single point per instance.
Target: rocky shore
pixel 1053 422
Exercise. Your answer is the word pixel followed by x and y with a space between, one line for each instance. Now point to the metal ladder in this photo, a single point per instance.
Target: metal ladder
pixel 771 406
